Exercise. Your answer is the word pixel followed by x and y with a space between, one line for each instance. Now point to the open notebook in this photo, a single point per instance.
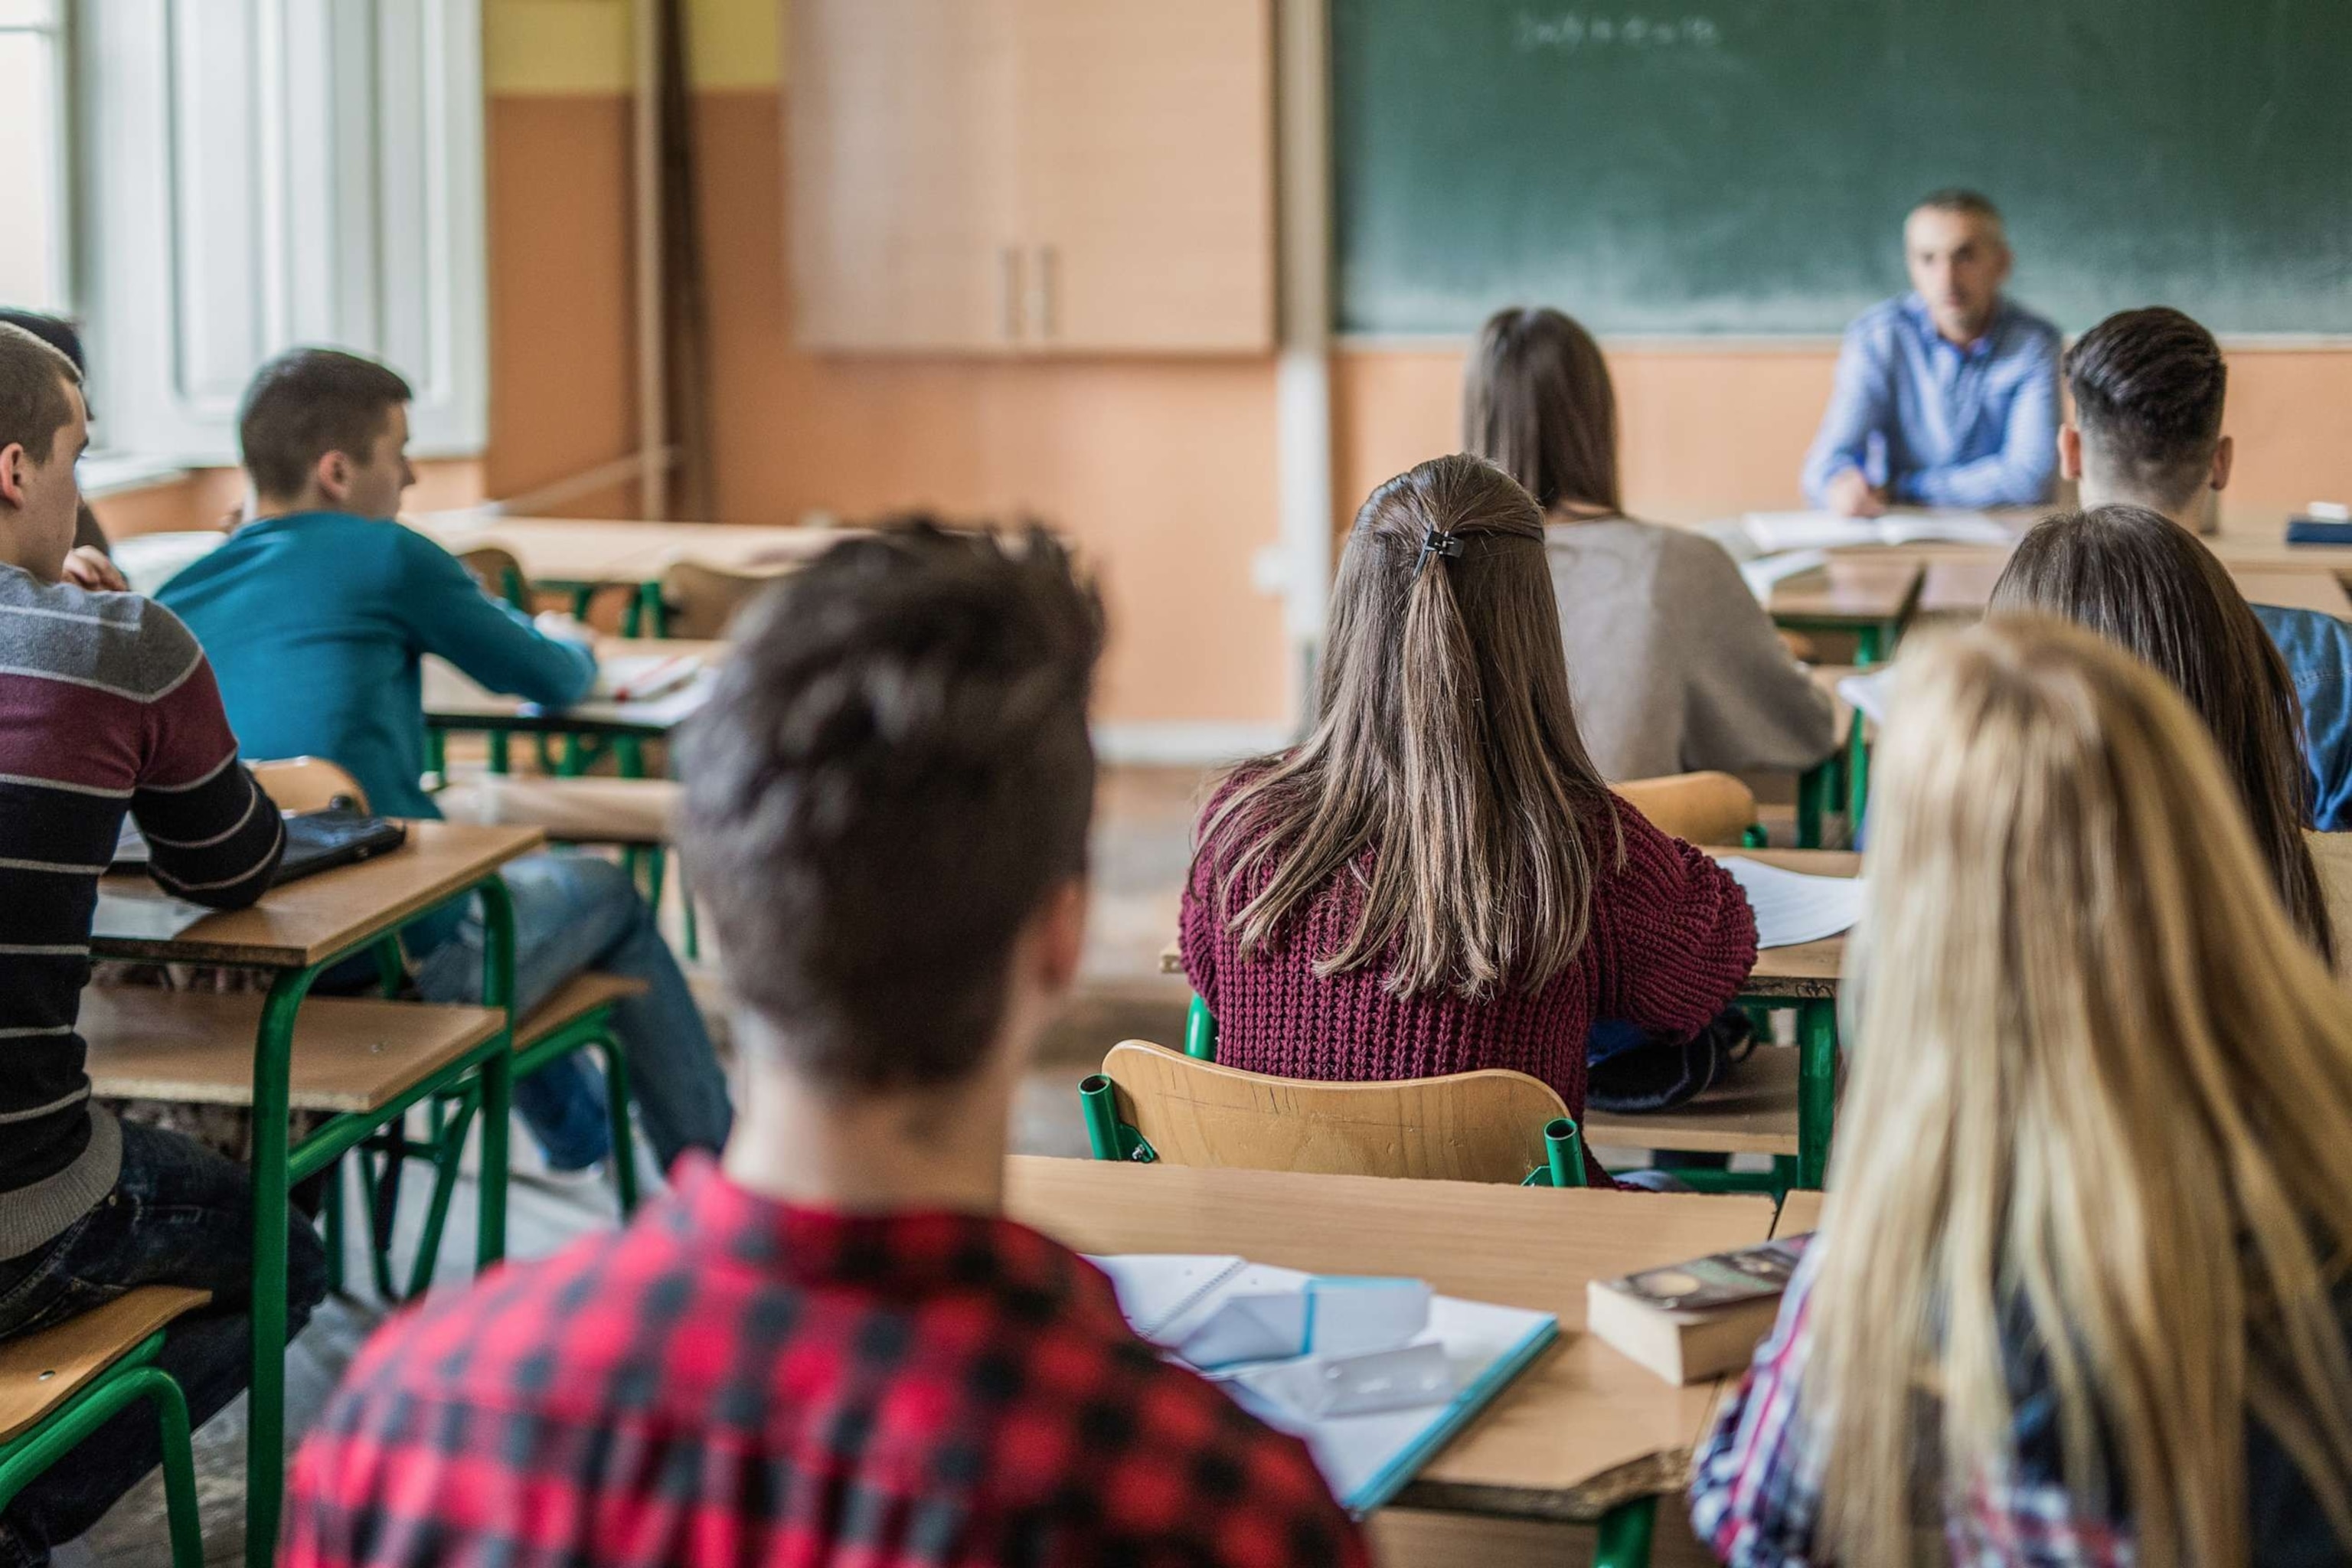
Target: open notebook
pixel 1174 1300
pixel 1773 531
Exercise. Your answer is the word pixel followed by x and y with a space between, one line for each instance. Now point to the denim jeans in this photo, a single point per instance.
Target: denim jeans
pixel 575 912
pixel 179 1214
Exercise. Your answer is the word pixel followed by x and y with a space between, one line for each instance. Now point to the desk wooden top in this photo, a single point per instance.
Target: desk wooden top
pixel 1860 590
pixel 308 921
pixel 1801 1212
pixel 620 553
pixel 1578 1433
pixel 451 696
pixel 2319 591
pixel 1811 970
pixel 1964 584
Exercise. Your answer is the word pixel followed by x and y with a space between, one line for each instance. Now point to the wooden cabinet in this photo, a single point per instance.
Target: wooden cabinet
pixel 1033 177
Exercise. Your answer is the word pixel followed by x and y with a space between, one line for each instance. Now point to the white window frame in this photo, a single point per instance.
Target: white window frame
pixel 48 17
pixel 259 174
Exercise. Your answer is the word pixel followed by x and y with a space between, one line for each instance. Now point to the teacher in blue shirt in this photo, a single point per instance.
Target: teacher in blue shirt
pixel 1949 395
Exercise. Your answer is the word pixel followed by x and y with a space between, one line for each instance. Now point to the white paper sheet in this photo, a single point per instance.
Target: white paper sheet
pixel 641 678
pixel 1779 531
pixel 1792 908
pixel 158 918
pixel 1873 694
pixel 1766 572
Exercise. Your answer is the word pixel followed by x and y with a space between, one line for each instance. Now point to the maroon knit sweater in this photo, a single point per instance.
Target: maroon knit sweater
pixel 1670 940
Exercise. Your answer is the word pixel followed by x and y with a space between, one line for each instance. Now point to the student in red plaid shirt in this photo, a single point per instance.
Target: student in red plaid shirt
pixel 833 1349
pixel 2079 1297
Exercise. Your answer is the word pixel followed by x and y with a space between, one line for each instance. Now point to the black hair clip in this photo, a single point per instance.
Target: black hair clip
pixel 1436 542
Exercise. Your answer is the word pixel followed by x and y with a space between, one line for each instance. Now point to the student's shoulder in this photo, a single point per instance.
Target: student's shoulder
pixel 124 642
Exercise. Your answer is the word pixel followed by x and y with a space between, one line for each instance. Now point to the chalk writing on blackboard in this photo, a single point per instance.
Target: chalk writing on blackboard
pixel 1572 31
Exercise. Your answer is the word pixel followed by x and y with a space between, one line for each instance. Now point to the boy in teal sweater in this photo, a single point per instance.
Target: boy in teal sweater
pixel 316 614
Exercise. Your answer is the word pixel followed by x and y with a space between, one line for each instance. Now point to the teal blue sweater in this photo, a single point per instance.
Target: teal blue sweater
pixel 315 623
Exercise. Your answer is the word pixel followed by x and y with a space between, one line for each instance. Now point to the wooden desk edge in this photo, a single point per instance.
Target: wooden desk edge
pixel 1661 1474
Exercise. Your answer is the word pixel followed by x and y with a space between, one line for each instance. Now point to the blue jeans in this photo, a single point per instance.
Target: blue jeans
pixel 576 912
pixel 179 1214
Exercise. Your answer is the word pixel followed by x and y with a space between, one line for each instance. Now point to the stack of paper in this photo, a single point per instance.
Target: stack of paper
pixel 1792 909
pixel 1772 531
pixel 1375 1375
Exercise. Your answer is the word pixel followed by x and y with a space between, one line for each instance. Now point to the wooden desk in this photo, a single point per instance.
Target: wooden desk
pixel 1800 1213
pixel 2317 591
pixel 1582 1431
pixel 1963 585
pixel 1866 594
pixel 452 701
pixel 298 933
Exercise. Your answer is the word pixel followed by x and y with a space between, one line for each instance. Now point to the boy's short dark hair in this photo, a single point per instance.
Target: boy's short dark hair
pixel 36 391
pixel 2148 388
pixel 1959 199
pixel 307 403
pixel 893 775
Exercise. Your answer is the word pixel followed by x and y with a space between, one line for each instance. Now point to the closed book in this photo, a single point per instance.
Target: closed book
pixel 2318 531
pixel 1696 1320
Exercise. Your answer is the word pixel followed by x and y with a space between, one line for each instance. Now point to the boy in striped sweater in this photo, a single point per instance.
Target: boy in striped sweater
pixel 107 705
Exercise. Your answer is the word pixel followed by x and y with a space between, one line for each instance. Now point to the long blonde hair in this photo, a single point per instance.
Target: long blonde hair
pixel 1447 746
pixel 2101 1086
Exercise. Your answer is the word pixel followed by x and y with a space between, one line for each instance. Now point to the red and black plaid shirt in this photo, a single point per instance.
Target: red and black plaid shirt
pixel 728 1381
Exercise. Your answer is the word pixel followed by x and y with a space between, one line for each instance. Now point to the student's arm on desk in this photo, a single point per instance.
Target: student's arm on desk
pixel 1672 934
pixel 2017 475
pixel 1748 707
pixel 492 642
pixel 1861 402
pixel 1755 1481
pixel 213 837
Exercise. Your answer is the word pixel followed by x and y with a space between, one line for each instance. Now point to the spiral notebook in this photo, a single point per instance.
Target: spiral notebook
pixel 1365 1458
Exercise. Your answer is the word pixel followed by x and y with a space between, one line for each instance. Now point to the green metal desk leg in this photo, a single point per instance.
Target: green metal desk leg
pixel 616 1103
pixel 1200 1032
pixel 1623 1538
pixel 584 598
pixel 264 1440
pixel 653 619
pixel 1813 785
pixel 497 1072
pixel 1817 1038
pixel 1868 643
pixel 1857 779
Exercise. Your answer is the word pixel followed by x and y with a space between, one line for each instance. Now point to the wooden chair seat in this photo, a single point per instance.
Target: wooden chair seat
pixel 578 811
pixel 1485 1126
pixel 350 1054
pixel 38 1373
pixel 1754 1113
pixel 575 1000
pixel 1702 808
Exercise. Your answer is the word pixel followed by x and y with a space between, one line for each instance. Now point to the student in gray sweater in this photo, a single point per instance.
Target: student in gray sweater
pixel 1673 664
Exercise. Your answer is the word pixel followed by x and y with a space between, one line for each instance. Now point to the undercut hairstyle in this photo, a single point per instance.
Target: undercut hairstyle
pixel 54 331
pixel 37 388
pixel 891 779
pixel 1959 199
pixel 307 403
pixel 1537 404
pixel 2146 584
pixel 2148 386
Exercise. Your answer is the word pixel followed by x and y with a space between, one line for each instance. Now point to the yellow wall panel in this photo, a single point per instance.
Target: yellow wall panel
pixel 573 48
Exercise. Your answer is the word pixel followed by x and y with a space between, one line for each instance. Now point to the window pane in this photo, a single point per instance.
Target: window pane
pixel 32 263
pixel 29 13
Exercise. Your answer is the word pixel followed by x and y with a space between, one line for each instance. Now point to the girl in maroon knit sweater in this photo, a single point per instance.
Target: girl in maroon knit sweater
pixel 1436 879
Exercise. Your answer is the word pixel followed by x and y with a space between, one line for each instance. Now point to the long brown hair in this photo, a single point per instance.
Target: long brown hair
pixel 2099 1093
pixel 1447 747
pixel 1537 404
pixel 2140 581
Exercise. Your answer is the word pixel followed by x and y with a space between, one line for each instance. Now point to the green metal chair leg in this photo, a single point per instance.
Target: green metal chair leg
pixel 1857 779
pixel 1812 787
pixel 66 1429
pixel 616 1105
pixel 1817 1038
pixel 497 1072
pixel 1564 1151
pixel 502 755
pixel 331 1213
pixel 1200 1032
pixel 1622 1539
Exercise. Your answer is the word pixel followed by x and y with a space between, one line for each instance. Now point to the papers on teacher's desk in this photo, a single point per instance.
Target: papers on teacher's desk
pixel 1375 1375
pixel 1792 908
pixel 1773 531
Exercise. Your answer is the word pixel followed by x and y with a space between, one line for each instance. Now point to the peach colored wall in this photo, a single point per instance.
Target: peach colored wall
pixel 1706 432
pixel 209 495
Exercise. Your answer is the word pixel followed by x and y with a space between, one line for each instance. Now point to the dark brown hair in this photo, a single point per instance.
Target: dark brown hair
pixel 307 403
pixel 2143 583
pixel 2148 388
pixel 1959 199
pixel 1447 747
pixel 1537 404
pixel 36 391
pixel 892 776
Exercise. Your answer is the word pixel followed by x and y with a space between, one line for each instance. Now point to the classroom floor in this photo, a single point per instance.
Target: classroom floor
pixel 1141 847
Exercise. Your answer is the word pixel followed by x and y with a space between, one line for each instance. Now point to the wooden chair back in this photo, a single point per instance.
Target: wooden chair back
pixel 1485 1126
pixel 700 600
pixel 308 783
pixel 499 572
pixel 1703 808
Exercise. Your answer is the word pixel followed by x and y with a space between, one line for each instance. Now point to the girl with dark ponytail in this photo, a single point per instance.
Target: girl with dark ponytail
pixel 1437 879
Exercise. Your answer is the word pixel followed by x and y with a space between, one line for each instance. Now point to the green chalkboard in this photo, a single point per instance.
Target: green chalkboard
pixel 1742 167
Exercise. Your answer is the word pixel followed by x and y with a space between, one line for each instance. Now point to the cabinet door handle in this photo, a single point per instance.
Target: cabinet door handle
pixel 1008 292
pixel 1049 324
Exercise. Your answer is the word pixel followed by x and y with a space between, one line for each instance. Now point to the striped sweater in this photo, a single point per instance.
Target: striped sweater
pixel 1671 940
pixel 106 704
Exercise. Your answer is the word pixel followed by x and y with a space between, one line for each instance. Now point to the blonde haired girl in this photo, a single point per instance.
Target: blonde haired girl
pixel 2079 1294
